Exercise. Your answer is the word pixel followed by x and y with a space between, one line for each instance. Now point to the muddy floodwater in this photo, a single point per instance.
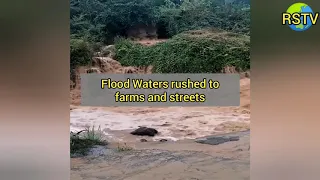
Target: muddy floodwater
pixel 175 123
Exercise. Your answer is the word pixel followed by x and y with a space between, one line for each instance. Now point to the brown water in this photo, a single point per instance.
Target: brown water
pixel 174 123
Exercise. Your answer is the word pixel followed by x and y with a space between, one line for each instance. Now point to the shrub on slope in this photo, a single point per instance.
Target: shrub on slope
pixel 201 51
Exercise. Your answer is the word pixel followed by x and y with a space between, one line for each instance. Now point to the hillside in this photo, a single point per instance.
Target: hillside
pixel 201 50
pixel 160 36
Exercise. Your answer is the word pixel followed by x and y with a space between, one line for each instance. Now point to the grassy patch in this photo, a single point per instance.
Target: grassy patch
pixel 124 147
pixel 82 141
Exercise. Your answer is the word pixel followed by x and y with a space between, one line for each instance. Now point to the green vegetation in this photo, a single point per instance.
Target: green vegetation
pixel 197 14
pixel 98 22
pixel 81 142
pixel 80 54
pixel 204 51
pixel 102 20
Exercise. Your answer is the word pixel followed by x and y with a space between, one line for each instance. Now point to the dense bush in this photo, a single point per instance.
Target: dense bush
pixel 102 20
pixel 197 14
pixel 81 53
pixel 205 51
pixel 105 19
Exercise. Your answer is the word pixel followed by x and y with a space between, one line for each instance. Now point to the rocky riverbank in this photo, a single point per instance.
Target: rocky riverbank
pixel 180 160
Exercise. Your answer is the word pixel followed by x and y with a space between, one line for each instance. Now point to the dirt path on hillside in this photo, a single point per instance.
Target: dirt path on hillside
pixel 150 42
pixel 182 160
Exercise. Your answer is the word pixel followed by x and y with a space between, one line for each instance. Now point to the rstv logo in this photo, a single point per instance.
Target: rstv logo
pixel 300 17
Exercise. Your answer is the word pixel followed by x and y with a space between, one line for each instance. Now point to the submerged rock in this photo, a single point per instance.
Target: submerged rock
pixel 163 140
pixel 216 140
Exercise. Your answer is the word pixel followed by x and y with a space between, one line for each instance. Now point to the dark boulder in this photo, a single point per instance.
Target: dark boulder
pixel 144 131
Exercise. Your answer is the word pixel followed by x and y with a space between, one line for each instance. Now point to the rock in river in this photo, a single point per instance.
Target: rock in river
pixel 143 140
pixel 216 140
pixel 144 131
